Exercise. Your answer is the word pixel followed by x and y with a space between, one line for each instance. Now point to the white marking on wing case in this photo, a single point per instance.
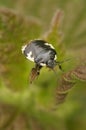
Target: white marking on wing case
pixel 23 48
pixel 42 64
pixel 55 57
pixel 50 45
pixel 30 56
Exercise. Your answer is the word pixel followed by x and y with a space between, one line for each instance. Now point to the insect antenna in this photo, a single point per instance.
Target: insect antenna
pixel 60 67
pixel 61 62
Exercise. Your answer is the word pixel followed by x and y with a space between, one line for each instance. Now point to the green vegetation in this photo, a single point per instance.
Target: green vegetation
pixel 50 102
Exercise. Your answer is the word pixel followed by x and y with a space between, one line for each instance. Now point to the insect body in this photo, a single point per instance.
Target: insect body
pixel 42 54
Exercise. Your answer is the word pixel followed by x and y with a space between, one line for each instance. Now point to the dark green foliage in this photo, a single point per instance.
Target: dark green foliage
pixel 15 30
pixel 52 101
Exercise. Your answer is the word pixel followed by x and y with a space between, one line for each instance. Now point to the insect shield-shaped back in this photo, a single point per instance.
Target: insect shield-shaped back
pixel 41 53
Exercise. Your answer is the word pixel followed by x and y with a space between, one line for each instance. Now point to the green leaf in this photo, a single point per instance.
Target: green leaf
pixel 15 31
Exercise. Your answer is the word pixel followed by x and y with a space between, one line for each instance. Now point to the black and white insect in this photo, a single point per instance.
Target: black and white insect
pixel 41 53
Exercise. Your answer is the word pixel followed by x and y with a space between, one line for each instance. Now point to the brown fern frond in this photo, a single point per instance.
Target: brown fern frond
pixel 80 73
pixel 35 72
pixel 61 97
pixel 57 18
pixel 67 82
pixel 54 33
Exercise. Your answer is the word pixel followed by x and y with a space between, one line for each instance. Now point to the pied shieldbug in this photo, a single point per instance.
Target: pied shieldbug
pixel 42 54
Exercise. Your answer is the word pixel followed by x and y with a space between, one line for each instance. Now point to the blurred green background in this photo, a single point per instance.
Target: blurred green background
pixel 27 107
